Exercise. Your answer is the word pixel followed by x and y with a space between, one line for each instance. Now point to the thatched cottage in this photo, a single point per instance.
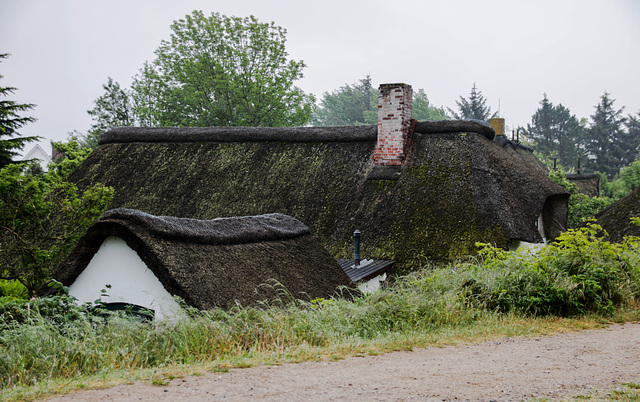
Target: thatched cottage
pixel 417 190
pixel 147 260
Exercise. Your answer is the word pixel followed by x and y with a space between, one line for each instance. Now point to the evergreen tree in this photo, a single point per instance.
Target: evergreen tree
pixel 10 122
pixel 556 133
pixel 473 108
pixel 607 140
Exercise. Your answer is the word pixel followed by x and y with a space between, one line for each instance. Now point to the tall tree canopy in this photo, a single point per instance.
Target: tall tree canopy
pixel 222 71
pixel 358 104
pixel 10 121
pixel 556 132
pixel 472 108
pixel 609 145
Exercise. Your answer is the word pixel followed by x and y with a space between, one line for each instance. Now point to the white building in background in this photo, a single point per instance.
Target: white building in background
pixel 38 154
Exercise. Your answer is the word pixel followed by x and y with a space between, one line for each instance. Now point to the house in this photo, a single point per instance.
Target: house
pixel 37 154
pixel 147 260
pixel 420 190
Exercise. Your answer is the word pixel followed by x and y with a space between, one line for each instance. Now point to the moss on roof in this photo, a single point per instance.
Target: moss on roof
pixel 616 218
pixel 453 190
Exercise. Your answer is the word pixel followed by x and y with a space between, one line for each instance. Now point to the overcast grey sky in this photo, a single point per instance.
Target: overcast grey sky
pixel 62 51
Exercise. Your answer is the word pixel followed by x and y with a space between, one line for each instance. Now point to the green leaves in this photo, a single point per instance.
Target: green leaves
pixel 222 71
pixel 43 216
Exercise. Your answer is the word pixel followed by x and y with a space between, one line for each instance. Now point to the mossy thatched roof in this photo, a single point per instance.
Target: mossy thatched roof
pixel 616 218
pixel 218 262
pixel 454 189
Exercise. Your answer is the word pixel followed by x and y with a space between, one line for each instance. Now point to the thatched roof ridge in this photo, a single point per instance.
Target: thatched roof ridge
pixel 455 126
pixel 122 135
pixel 208 275
pixel 244 229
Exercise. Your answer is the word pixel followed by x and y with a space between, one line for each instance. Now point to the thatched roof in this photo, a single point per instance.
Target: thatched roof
pixel 217 262
pixel 616 218
pixel 454 189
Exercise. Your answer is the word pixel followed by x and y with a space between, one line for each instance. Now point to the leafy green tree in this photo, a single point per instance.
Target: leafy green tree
pixel 472 108
pixel 358 104
pixel 222 71
pixel 43 216
pixel 423 110
pixel 348 105
pixel 10 122
pixel 608 144
pixel 112 109
pixel 556 133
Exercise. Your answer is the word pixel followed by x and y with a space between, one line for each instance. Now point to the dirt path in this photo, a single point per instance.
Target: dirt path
pixel 511 369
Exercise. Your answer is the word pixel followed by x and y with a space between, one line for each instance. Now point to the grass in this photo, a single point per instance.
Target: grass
pixel 50 345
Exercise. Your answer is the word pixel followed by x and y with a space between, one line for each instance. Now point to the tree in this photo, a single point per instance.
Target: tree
pixel 423 110
pixel 10 122
pixel 222 71
pixel 43 216
pixel 607 142
pixel 347 105
pixel 113 109
pixel 473 108
pixel 358 104
pixel 556 133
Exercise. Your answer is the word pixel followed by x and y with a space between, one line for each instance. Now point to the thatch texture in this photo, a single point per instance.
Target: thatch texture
pixel 453 190
pixel 218 262
pixel 616 218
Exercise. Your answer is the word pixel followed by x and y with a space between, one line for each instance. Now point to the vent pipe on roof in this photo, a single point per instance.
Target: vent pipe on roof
pixel 356 247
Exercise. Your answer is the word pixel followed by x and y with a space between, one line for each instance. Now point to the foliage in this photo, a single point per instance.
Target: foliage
pixel 221 71
pixel 580 272
pixel 609 145
pixel 472 108
pixel 581 206
pixel 348 105
pixel 624 183
pixel 556 133
pixel 43 216
pixel 10 122
pixel 112 109
pixel 358 104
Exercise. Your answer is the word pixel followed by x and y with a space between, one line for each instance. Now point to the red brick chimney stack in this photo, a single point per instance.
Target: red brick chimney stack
pixel 394 124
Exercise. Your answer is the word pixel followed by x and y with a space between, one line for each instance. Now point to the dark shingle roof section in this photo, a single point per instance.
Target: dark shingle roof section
pixel 368 269
pixel 206 268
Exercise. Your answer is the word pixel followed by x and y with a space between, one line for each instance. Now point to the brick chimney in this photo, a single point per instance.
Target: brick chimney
pixel 394 124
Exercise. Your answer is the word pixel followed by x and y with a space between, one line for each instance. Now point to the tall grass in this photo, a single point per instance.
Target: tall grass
pixel 51 338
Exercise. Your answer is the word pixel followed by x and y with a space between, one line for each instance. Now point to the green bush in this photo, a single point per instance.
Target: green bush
pixel 580 272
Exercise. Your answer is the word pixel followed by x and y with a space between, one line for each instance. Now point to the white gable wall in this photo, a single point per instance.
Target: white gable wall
pixel 131 281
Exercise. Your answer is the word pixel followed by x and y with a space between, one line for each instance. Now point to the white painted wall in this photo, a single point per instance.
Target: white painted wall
pixel 373 284
pixel 130 279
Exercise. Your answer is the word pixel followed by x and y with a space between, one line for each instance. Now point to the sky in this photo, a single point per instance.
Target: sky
pixel 63 51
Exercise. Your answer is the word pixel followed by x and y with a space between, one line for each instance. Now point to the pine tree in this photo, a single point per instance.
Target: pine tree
pixel 607 140
pixel 473 108
pixel 10 122
pixel 556 133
